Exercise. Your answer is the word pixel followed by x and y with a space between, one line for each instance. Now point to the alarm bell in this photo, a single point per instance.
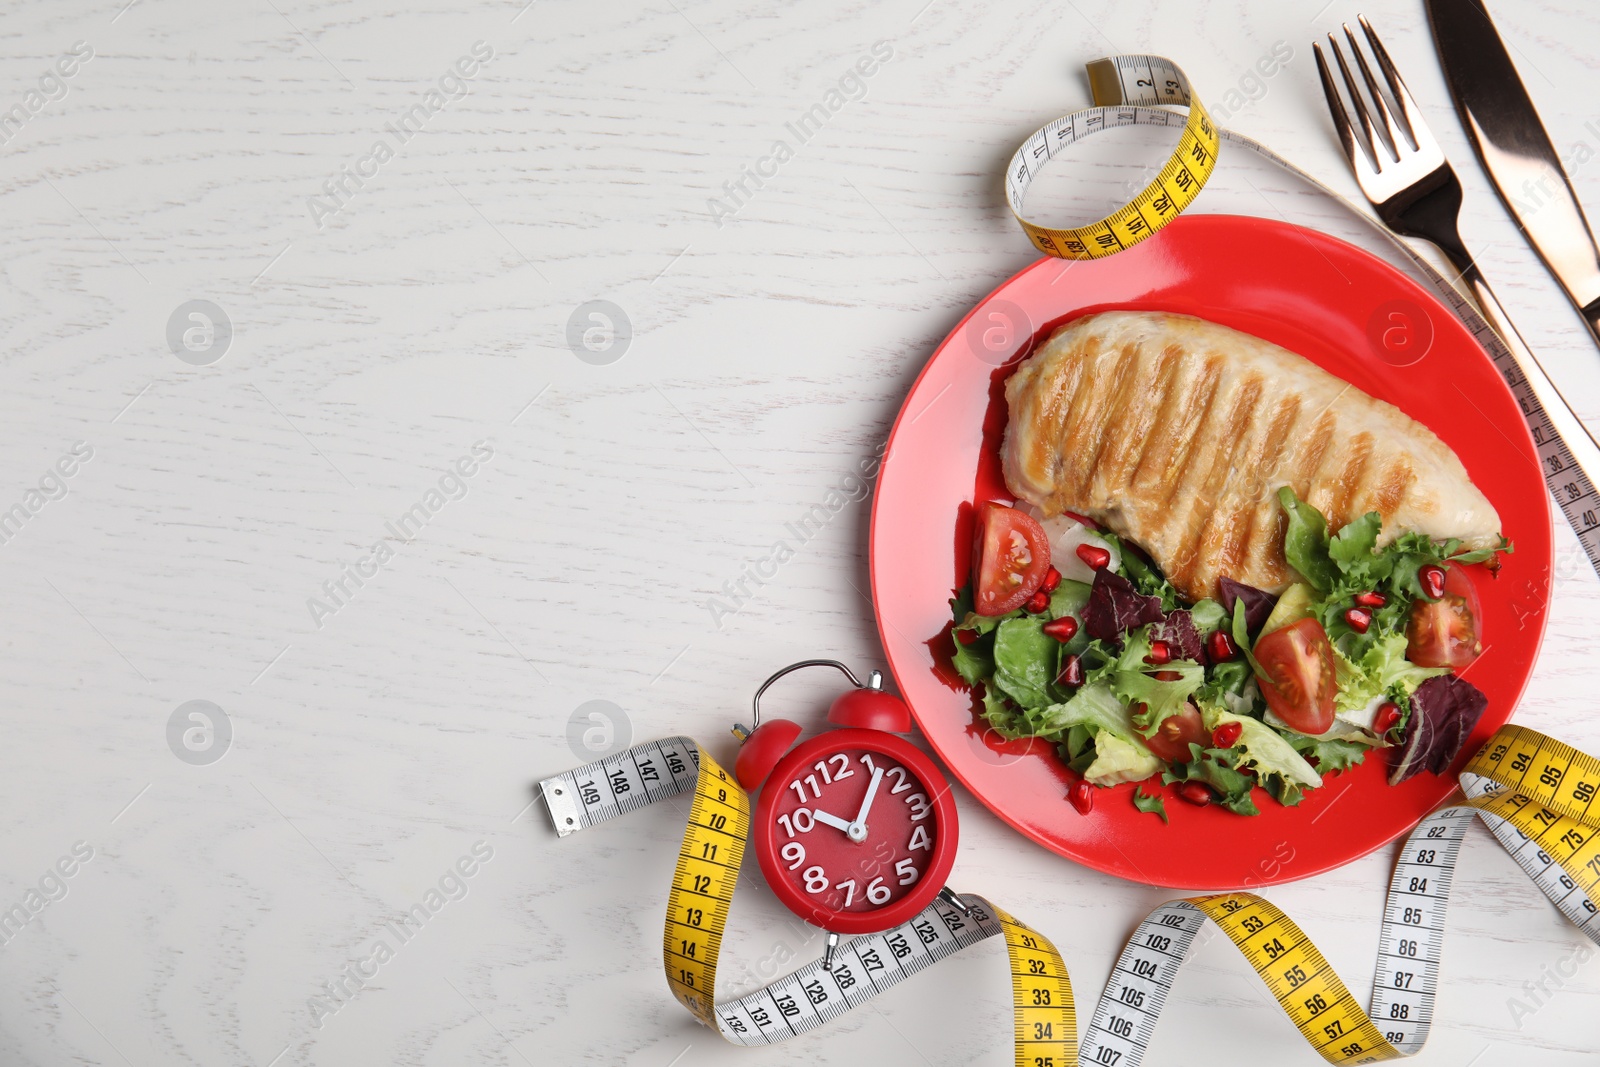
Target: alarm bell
pixel 864 707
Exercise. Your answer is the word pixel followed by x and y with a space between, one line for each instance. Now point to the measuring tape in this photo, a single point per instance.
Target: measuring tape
pixel 1128 91
pixel 1124 88
pixel 1536 795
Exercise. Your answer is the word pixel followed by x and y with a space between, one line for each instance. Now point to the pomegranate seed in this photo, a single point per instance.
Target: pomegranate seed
pixel 1071 672
pixel 1037 602
pixel 966 637
pixel 1062 629
pixel 1082 796
pixel 1386 718
pixel 1195 793
pixel 1226 735
pixel 1371 600
pixel 1432 578
pixel 1094 556
pixel 1221 647
pixel 1359 619
pixel 1052 580
pixel 1160 652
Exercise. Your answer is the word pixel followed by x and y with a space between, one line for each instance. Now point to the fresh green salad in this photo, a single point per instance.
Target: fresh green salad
pixel 1070 635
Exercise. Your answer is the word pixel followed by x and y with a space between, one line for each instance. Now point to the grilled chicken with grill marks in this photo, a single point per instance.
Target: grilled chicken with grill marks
pixel 1177 433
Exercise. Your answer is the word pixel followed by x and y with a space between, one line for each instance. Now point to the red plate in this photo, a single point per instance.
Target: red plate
pixel 1338 306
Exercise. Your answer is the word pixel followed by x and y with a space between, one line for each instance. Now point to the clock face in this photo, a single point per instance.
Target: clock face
pixel 855 830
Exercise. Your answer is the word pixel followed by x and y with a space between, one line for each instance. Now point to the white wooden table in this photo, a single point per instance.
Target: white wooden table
pixel 394 310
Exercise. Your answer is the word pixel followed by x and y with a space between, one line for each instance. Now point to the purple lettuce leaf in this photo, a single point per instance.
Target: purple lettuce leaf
pixel 1444 710
pixel 1115 607
pixel 1258 603
pixel 1179 632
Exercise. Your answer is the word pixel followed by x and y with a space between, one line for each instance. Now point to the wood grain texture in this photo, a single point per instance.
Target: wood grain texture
pixel 768 356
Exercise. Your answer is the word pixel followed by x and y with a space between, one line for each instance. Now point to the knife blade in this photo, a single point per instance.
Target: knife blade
pixel 1515 151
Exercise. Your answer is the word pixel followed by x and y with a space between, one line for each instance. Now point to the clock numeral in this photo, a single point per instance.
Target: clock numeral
pixel 866 761
pixel 800 822
pixel 816 880
pixel 799 786
pixel 900 777
pixel 877 893
pixel 849 887
pixel 919 804
pixel 794 850
pixel 907 871
pixel 919 838
pixel 841 768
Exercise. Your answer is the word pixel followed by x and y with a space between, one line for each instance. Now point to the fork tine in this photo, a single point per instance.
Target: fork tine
pixel 1392 141
pixel 1409 118
pixel 1359 106
pixel 1341 119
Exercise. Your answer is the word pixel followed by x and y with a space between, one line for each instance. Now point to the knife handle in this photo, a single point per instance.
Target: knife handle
pixel 1563 420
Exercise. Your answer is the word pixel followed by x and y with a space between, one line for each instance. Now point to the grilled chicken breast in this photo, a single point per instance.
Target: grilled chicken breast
pixel 1177 433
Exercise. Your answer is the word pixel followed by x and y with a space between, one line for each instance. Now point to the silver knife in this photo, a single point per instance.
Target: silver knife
pixel 1515 150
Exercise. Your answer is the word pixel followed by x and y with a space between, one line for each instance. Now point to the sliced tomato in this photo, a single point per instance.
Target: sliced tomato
pixel 1011 556
pixel 1171 739
pixel 1299 681
pixel 1444 632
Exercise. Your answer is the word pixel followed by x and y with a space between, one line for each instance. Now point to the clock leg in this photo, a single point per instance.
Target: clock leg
pixel 949 897
pixel 827 953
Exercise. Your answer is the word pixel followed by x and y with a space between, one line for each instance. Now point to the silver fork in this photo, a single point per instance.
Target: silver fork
pixel 1415 191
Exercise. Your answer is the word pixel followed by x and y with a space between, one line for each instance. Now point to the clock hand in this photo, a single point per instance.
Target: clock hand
pixel 830 820
pixel 858 828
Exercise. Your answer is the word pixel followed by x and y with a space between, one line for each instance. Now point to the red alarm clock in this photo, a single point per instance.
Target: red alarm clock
pixel 855 829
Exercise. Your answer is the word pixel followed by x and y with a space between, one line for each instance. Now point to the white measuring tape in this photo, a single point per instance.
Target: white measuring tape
pixel 1521 781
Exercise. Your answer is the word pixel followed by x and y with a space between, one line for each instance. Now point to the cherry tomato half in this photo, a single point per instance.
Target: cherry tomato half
pixel 1171 739
pixel 1299 681
pixel 1444 632
pixel 1011 556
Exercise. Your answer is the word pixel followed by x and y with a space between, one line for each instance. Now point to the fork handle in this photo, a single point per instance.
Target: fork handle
pixel 1563 420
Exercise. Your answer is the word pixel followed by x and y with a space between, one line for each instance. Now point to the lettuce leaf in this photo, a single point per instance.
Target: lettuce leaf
pixel 1208 615
pixel 1151 805
pixel 1007 721
pixel 1115 607
pixel 1145 578
pixel 1025 661
pixel 1382 673
pixel 1093 706
pixel 1258 603
pixel 1217 768
pixel 1332 754
pixel 1305 541
pixel 974 662
pixel 1117 761
pixel 1267 752
pixel 1443 712
pixel 1135 682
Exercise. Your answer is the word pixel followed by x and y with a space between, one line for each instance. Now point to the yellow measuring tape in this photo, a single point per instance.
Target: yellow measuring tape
pixel 1537 795
pixel 1127 90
